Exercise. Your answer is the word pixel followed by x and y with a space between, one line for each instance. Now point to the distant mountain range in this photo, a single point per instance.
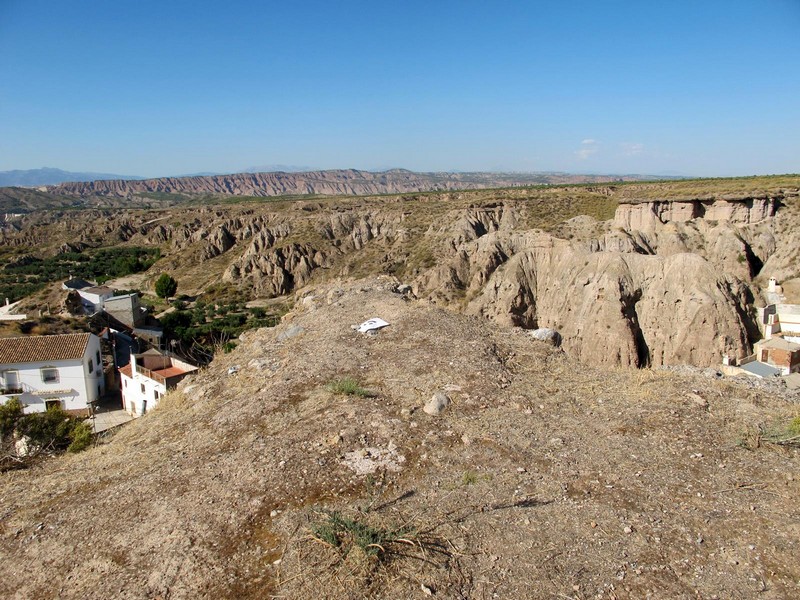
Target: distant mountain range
pixel 50 176
pixel 325 183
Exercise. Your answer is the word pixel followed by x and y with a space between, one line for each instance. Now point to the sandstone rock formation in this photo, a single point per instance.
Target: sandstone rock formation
pixel 648 214
pixel 610 308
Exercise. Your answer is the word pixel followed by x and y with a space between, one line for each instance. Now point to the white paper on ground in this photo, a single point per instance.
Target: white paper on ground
pixel 374 323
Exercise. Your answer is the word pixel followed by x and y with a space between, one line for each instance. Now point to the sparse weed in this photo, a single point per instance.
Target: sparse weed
pixel 782 433
pixel 345 534
pixel 469 478
pixel 349 386
pixel 786 433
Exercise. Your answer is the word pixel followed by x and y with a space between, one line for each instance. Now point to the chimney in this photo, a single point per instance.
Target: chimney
pixel 133 364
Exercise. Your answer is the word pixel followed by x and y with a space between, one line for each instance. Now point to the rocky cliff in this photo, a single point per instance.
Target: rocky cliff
pixel 610 308
pixel 648 214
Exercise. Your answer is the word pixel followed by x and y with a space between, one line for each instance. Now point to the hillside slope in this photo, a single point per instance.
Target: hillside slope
pixel 542 478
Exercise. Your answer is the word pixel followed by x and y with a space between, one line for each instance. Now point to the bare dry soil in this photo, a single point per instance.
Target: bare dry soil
pixel 542 478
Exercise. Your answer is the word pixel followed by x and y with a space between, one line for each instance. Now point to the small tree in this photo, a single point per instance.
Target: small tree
pixel 166 286
pixel 10 413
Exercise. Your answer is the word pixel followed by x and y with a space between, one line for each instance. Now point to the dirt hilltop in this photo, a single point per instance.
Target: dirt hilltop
pixel 541 478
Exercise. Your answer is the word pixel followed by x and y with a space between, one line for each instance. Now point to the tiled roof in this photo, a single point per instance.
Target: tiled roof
pixel 127 370
pixel 43 348
pixel 170 372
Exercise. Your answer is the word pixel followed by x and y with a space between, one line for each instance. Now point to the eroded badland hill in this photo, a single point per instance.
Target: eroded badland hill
pixel 303 465
pixel 634 274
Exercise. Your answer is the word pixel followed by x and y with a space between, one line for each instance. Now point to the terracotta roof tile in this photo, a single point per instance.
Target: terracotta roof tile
pixel 43 348
pixel 170 372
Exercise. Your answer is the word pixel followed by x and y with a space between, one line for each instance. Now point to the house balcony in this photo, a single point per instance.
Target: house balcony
pixel 151 375
pixel 11 391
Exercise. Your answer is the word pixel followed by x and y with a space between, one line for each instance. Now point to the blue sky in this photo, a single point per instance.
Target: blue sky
pixel 151 88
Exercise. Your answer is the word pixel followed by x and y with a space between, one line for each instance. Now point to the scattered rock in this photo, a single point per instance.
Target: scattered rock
pixel 291 332
pixel 366 461
pixel 436 404
pixel 545 334
pixel 697 399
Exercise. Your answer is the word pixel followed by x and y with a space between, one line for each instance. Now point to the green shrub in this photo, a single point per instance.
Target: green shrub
pixel 81 437
pixel 10 413
pixel 258 312
pixel 51 431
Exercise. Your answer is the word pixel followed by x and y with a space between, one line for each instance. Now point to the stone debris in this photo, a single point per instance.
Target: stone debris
pixel 436 404
pixel 292 331
pixel 366 461
pixel 545 334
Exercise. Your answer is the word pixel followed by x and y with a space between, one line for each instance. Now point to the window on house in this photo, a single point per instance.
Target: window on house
pixel 50 375
pixel 91 366
pixel 125 383
pixel 97 356
pixel 143 388
pixel 156 395
pixel 52 404
pixel 11 383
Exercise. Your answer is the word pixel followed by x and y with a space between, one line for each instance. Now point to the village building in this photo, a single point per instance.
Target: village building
pixel 147 377
pixel 76 284
pixel 781 320
pixel 52 370
pixel 778 353
pixel 93 298
pixel 126 309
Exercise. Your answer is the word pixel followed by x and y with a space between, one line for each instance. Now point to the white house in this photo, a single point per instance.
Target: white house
pixel 148 377
pixel 781 320
pixel 93 298
pixel 52 370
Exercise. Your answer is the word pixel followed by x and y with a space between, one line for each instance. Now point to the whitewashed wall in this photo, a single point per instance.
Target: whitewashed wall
pixel 74 375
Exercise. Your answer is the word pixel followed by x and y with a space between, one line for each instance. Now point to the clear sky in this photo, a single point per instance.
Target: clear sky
pixel 152 88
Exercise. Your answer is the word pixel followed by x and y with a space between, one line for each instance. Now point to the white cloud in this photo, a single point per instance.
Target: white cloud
pixel 632 148
pixel 587 149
